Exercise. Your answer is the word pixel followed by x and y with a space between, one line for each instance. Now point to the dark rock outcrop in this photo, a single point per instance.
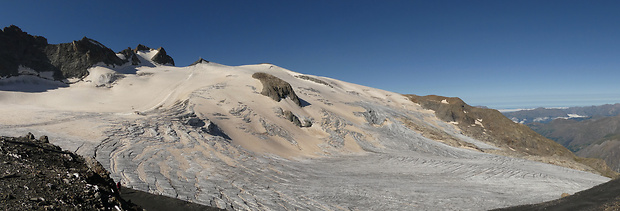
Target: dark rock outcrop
pixel 66 60
pixel 199 61
pixel 73 59
pixel 20 48
pixel 315 80
pixel 291 117
pixel 162 58
pixel 41 176
pixel 276 88
pixel 130 56
pixel 141 47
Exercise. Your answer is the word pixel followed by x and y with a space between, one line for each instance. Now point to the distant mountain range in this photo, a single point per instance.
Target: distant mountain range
pixel 592 131
pixel 544 115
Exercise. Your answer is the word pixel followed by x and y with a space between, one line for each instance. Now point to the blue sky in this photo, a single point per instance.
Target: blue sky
pixel 502 54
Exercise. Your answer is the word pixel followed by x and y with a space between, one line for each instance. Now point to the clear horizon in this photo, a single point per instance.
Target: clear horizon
pixel 499 54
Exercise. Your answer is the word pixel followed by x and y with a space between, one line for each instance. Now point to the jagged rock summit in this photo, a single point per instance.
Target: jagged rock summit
pixel 199 61
pixel 73 59
pixel 130 55
pixel 162 58
pixel 25 54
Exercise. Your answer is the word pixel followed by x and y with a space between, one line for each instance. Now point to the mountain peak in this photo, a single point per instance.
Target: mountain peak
pixel 162 58
pixel 199 61
pixel 141 47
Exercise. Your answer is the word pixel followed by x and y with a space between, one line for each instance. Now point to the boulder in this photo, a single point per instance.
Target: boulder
pixel 30 136
pixel 44 139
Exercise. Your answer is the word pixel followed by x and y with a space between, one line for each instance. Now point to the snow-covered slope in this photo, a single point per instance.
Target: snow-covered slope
pixel 206 134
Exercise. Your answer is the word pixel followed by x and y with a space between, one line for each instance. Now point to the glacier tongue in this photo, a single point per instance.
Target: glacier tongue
pixel 205 134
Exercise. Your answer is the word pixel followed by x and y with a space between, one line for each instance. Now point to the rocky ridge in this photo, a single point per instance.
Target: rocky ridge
pixel 515 139
pixel 25 54
pixel 73 59
pixel 545 115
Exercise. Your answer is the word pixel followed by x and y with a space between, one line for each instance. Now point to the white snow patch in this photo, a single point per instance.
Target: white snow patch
pixel 101 76
pixel 120 56
pixel 146 57
pixel 444 101
pixel 575 116
pixel 96 43
pixel 479 122
pixel 23 70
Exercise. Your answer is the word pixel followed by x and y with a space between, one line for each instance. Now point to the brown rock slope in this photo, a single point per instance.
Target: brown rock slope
pixel 515 140
pixel 605 196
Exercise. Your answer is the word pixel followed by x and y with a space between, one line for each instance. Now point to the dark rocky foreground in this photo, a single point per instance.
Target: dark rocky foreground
pixel 605 196
pixel 37 175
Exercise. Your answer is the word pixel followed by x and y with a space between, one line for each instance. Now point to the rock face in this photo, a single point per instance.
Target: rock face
pixel 40 176
pixel 19 48
pixel 491 126
pixel 276 88
pixel 130 55
pixel 141 47
pixel 22 53
pixel 291 117
pixel 162 58
pixel 73 59
pixel 66 60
